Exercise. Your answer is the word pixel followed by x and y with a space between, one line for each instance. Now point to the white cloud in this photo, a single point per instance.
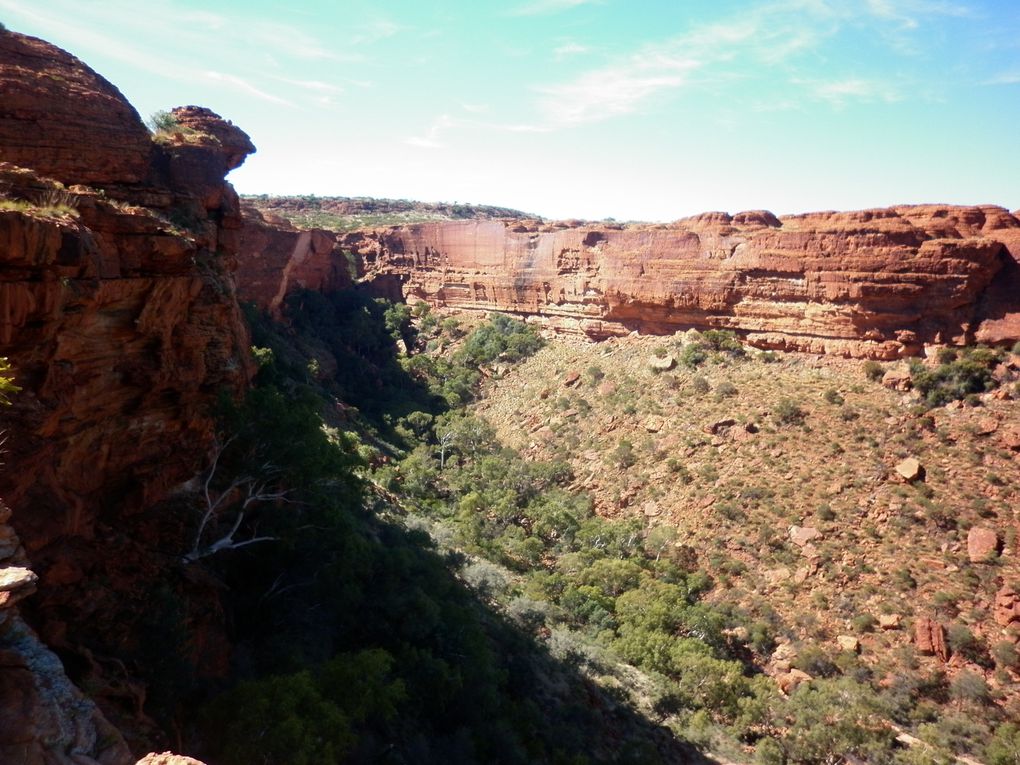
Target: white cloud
pixel 245 87
pixel 613 90
pixel 430 139
pixel 569 49
pixel 840 92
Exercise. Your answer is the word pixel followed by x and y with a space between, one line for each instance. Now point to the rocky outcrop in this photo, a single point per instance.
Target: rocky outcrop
pixel 279 259
pixel 44 718
pixel 877 283
pixel 930 638
pixel 63 120
pixel 119 316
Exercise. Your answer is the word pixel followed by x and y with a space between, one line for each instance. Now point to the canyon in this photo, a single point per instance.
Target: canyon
pixel 874 283
pixel 124 260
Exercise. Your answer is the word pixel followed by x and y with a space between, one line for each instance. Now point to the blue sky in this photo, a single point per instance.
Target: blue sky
pixel 633 109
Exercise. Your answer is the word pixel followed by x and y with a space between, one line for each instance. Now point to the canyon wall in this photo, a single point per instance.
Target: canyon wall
pixel 874 283
pixel 119 316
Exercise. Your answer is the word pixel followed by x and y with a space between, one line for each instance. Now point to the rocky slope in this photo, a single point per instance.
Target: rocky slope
pixel 118 314
pixel 873 283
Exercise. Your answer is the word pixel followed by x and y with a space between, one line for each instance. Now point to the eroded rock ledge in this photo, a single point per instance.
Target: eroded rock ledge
pixel 873 283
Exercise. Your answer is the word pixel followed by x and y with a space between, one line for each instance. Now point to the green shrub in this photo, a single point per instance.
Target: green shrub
pixel 1004 748
pixel 7 386
pixel 873 370
pixel 788 412
pixel 960 375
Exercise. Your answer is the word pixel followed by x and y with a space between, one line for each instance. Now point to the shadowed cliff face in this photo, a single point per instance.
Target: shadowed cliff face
pixel 118 315
pixel 878 283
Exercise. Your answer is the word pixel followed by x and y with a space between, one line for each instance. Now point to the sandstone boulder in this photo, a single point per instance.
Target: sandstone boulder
pixel 982 544
pixel 898 378
pixel 910 470
pixel 167 758
pixel 889 621
pixel 789 681
pixel 848 643
pixel 1007 606
pixel 662 363
pixel 930 638
pixel 801 535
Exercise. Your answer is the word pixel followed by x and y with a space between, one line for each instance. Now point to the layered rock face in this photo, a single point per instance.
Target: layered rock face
pixel 874 283
pixel 119 316
pixel 279 259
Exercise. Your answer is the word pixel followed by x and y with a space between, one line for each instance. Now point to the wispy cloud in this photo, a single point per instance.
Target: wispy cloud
pixel 614 90
pixel 541 7
pixel 568 49
pixel 839 92
pixel 431 138
pixel 783 37
pixel 910 14
pixel 245 87
pixel 1005 78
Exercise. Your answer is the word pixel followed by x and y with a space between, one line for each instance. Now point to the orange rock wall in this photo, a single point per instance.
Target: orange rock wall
pixel 119 316
pixel 876 283
pixel 278 259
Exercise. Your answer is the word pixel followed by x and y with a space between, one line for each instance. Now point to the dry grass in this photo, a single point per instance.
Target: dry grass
pixel 639 442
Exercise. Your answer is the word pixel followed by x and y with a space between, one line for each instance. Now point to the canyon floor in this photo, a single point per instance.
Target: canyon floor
pixel 778 473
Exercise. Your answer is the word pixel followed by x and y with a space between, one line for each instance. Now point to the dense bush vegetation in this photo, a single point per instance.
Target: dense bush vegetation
pixel 960 373
pixel 432 596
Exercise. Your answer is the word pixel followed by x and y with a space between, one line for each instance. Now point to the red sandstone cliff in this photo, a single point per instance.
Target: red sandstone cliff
pixel 279 258
pixel 118 314
pixel 877 283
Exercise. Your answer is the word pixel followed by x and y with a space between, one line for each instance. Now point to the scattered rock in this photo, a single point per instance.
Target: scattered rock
pixel 651 508
pixel 898 378
pixel 982 544
pixel 607 388
pixel 1011 437
pixel 930 638
pixel 986 426
pixel 167 758
pixel 1007 606
pixel 801 535
pixel 571 379
pixel 889 621
pixel 654 424
pixel 848 643
pixel 718 426
pixel 663 364
pixel 788 682
pixel 910 470
pixel 15 578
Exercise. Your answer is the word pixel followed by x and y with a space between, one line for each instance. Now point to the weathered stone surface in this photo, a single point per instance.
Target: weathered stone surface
pixel 44 719
pixel 279 260
pixel 167 758
pixel 889 621
pixel 1007 606
pixel 982 544
pixel 848 643
pixel 910 469
pixel 874 283
pixel 897 378
pixel 789 681
pixel 63 120
pixel 930 638
pixel 122 325
pixel 801 535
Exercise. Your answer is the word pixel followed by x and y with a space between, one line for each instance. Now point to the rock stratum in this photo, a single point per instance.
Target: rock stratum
pixel 123 257
pixel 874 283
pixel 119 316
